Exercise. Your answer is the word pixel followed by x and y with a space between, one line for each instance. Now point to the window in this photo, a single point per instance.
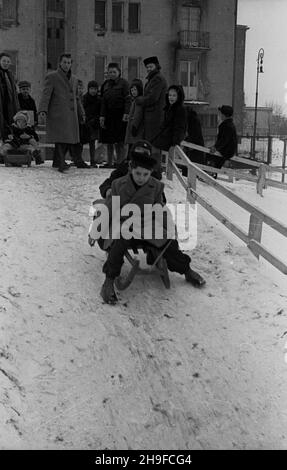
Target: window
pixel 100 14
pixel 56 5
pixel 190 19
pixel 100 67
pixel 14 63
pixel 9 12
pixel 209 121
pixel 133 68
pixel 117 16
pixel 119 61
pixel 188 77
pixel 134 17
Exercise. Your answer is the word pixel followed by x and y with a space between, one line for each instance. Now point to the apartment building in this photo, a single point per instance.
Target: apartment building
pixel 195 41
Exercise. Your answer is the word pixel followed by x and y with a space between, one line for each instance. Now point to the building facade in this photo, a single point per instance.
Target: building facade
pixel 195 41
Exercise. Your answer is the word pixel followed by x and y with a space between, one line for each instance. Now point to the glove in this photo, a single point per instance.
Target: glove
pixel 134 131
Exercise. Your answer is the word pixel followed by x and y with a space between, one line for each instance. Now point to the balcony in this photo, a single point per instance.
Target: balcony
pixel 193 40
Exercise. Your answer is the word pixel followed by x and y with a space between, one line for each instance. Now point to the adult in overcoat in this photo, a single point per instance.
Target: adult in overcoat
pixel 153 102
pixel 61 105
pixel 116 102
pixel 9 104
pixel 173 128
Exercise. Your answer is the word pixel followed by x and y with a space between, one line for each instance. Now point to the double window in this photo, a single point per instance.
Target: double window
pixel 8 12
pixel 134 17
pixel 100 14
pixel 117 23
pixel 117 16
pixel 133 68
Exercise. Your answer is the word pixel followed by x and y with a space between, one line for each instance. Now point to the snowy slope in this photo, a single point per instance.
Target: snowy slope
pixel 179 369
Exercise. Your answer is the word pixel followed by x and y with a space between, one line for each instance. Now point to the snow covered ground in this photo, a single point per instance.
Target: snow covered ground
pixel 178 369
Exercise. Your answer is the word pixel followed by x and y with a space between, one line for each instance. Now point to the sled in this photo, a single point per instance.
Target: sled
pixel 16 157
pixel 159 266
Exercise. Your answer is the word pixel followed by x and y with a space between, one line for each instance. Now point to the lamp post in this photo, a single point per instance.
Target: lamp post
pixel 259 70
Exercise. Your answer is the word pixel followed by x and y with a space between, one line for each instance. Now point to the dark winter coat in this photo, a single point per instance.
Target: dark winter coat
pixel 116 102
pixel 64 110
pixel 226 142
pixel 136 121
pixel 122 170
pixel 28 104
pixel 173 129
pixel 9 104
pixel 16 132
pixel 92 108
pixel 153 103
pixel 149 194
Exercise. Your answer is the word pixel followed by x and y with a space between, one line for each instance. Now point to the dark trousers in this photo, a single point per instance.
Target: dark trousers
pixel 176 260
pixel 61 150
pixel 217 162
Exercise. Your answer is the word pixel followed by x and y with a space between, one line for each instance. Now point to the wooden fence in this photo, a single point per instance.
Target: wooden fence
pixel 261 180
pixel 257 217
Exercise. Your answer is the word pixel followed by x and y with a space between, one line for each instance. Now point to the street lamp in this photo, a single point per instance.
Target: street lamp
pixel 259 70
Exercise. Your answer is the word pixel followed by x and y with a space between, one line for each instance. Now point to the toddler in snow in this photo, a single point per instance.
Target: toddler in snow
pixel 22 137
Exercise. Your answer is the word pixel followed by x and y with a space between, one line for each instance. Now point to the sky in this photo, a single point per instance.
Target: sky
pixel 267 20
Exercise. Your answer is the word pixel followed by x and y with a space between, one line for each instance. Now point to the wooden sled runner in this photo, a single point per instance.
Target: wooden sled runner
pixel 17 157
pixel 159 266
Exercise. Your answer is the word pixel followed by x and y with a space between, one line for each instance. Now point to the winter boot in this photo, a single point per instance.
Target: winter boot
pixel 108 292
pixel 194 278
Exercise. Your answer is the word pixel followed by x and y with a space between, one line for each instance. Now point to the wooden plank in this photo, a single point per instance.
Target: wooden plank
pixel 255 230
pixel 169 166
pixel 266 254
pixel 276 184
pixel 236 158
pixel 191 183
pixel 275 224
pixel 179 176
pixel 221 217
pixel 261 180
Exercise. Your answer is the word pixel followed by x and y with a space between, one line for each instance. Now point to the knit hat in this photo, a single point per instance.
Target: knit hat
pixel 151 60
pixel 21 115
pixel 141 154
pixel 24 84
pixel 93 84
pixel 226 110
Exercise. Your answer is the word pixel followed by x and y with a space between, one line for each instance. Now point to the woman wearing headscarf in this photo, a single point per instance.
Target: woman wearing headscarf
pixel 116 101
pixel 9 104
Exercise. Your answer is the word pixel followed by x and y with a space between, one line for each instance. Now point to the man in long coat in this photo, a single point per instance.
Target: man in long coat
pixel 153 103
pixel 60 104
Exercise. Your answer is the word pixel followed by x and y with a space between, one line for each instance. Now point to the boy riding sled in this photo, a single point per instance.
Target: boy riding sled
pixel 140 190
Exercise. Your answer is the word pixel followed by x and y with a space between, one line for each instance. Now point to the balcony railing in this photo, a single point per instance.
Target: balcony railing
pixel 194 39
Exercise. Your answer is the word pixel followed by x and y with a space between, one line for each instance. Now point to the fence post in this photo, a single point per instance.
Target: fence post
pixel 191 183
pixel 255 231
pixel 261 181
pixel 169 167
pixel 284 161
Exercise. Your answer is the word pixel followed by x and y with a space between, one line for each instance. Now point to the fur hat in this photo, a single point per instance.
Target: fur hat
pixel 136 82
pixel 24 84
pixel 151 60
pixel 226 110
pixel 141 155
pixel 21 115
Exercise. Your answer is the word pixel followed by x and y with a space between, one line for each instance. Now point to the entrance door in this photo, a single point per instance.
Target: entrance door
pixel 188 77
